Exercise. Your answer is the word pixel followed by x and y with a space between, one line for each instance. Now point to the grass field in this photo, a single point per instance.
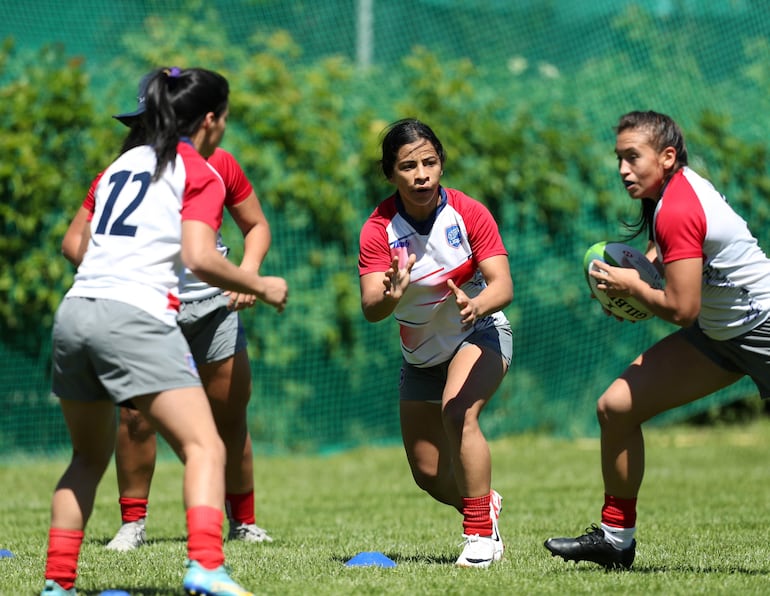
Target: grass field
pixel 703 524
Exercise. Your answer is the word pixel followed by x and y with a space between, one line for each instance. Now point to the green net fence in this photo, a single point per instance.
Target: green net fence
pixel 555 73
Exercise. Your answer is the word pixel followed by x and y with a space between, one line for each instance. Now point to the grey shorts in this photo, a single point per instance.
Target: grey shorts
pixel 427 384
pixel 748 353
pixel 106 349
pixel 213 332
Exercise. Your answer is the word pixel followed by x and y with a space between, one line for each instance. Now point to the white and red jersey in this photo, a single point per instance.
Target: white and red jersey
pixel 450 247
pixel 693 220
pixel 134 253
pixel 237 189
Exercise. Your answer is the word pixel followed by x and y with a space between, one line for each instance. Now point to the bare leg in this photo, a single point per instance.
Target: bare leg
pixel 135 454
pixel 428 452
pixel 447 452
pixel 474 375
pixel 183 417
pixel 92 430
pixel 228 387
pixel 670 374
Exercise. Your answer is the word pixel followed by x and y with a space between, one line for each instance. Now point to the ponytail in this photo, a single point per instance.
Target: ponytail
pixel 177 102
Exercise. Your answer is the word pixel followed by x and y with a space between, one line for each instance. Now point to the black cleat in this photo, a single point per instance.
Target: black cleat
pixel 592 546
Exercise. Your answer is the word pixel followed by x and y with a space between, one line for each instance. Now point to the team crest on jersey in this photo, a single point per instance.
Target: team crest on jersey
pixel 453 236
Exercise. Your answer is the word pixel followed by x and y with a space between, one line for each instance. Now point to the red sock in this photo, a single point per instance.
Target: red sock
pixel 132 510
pixel 62 561
pixel 204 536
pixel 240 508
pixel 619 513
pixel 476 519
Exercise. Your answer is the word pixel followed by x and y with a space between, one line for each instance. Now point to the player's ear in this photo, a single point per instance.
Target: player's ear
pixel 668 158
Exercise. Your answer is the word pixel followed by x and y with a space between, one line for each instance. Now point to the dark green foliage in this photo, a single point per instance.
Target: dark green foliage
pixel 532 143
pixel 48 150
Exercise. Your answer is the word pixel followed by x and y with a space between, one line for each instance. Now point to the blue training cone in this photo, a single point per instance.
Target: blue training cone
pixel 371 559
pixel 5 554
pixel 114 593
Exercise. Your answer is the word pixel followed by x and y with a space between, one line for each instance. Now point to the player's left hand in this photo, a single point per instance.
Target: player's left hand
pixel 240 301
pixel 468 309
pixel 615 281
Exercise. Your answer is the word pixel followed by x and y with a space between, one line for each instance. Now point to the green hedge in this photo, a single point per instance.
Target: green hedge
pixel 307 133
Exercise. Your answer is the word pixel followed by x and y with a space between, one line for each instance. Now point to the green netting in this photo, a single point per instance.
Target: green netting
pixel 704 55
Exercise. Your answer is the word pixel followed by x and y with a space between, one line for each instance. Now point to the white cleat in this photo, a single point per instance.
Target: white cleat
pixel 480 551
pixel 130 537
pixel 248 533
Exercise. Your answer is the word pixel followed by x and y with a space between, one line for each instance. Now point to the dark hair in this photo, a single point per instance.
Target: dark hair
pixel 402 133
pixel 177 102
pixel 137 135
pixel 663 132
pixel 662 129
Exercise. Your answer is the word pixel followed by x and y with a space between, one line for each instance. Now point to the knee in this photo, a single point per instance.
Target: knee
pixel 137 426
pixel 216 450
pixel 613 408
pixel 424 480
pixel 431 483
pixel 210 449
pixel 457 417
pixel 93 462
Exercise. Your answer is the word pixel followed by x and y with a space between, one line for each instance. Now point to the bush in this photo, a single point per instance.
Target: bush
pixel 307 133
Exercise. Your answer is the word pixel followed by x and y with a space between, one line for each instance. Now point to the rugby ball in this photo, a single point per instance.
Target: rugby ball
pixel 622 255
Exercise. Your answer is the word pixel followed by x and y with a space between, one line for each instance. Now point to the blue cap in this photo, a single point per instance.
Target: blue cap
pixel 128 117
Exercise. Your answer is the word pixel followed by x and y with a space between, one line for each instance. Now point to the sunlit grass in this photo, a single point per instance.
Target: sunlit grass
pixel 702 527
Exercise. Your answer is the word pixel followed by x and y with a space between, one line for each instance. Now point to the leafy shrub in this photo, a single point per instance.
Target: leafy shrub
pixel 307 133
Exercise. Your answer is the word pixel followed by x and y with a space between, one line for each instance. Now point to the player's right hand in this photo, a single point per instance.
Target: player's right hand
pixel 275 292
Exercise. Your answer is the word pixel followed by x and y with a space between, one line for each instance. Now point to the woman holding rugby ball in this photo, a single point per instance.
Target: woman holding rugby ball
pixel 432 257
pixel 717 290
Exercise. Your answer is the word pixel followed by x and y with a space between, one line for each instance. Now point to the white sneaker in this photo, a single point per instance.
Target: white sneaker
pixel 130 536
pixel 480 551
pixel 247 533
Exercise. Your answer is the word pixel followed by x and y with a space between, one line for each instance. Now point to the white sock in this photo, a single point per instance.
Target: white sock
pixel 620 538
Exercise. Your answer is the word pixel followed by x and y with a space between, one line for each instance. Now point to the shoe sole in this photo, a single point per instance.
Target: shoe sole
pixel 480 564
pixel 123 549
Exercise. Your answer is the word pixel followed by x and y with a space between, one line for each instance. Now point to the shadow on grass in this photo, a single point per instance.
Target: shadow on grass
pixel 135 592
pixel 656 569
pixel 726 570
pixel 150 542
pixel 397 558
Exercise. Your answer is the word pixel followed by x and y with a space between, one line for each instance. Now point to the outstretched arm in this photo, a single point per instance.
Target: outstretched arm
pixel 380 292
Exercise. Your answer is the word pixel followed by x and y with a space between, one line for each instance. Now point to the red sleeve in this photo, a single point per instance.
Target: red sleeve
pixel 680 224
pixel 204 193
pixel 374 249
pixel 89 202
pixel 483 233
pixel 237 185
